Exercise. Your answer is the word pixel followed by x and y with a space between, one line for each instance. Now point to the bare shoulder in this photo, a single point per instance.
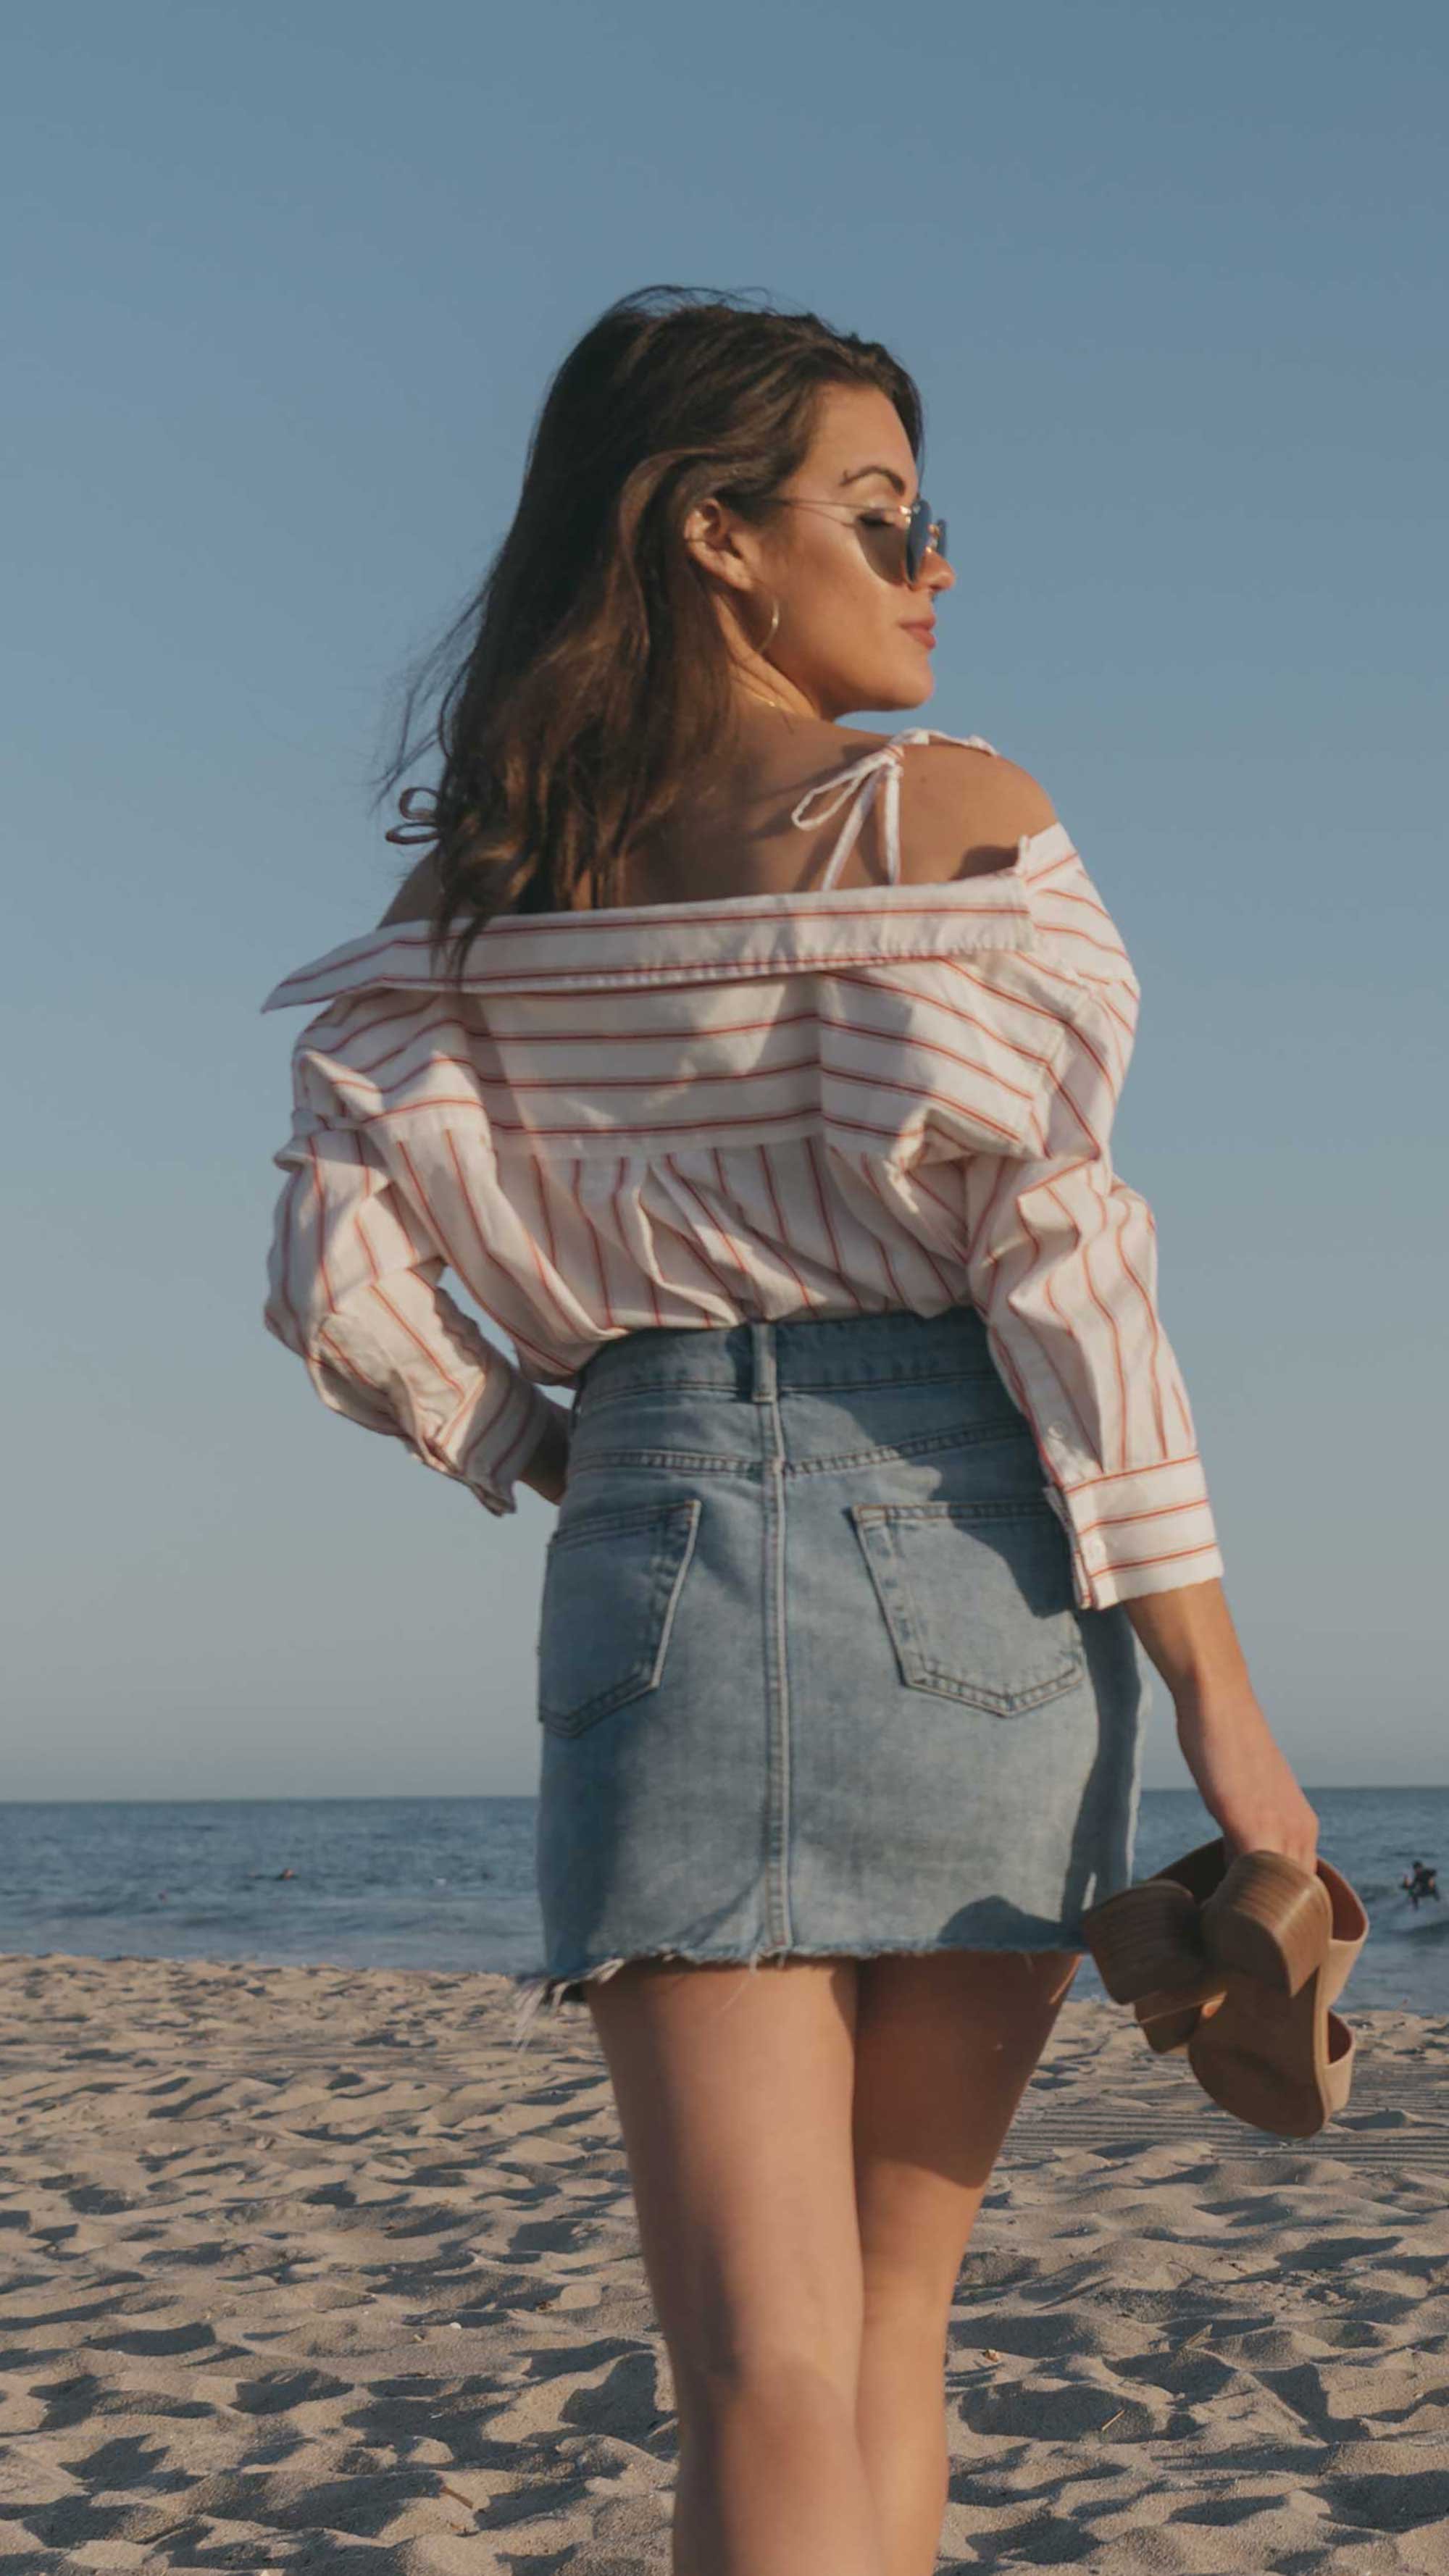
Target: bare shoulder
pixel 415 897
pixel 963 811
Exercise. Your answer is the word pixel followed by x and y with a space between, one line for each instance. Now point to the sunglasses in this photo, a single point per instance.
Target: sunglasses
pixel 923 534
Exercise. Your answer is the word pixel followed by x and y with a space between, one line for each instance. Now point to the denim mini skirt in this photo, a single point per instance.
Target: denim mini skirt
pixel 811 1678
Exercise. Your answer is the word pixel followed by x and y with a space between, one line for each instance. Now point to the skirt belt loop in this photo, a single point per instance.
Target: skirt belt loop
pixel 762 1360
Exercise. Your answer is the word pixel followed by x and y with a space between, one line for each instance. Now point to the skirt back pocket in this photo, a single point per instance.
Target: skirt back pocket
pixel 977 1598
pixel 611 1584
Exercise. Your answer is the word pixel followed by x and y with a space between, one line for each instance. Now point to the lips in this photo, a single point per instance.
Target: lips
pixel 924 631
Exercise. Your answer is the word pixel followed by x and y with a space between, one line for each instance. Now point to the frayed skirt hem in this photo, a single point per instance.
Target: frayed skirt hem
pixel 537 1997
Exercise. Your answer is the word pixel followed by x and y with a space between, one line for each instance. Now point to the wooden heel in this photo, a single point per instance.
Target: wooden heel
pixel 1167 2034
pixel 1269 1921
pixel 1145 1939
pixel 1169 2017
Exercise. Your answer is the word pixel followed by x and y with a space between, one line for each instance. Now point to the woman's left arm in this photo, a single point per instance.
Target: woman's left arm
pixel 547 1469
pixel 353 1290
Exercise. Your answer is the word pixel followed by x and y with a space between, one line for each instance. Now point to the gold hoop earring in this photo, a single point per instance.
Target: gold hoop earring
pixel 758 652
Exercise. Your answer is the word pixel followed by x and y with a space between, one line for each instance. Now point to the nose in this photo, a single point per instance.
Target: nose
pixel 936 573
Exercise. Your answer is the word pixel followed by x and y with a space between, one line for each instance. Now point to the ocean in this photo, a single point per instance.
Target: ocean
pixel 448 1882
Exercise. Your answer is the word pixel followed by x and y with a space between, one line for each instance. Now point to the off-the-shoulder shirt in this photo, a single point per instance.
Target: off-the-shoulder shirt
pixel 835 1102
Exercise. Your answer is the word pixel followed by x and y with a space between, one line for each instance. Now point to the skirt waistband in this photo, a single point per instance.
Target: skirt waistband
pixel 757 1357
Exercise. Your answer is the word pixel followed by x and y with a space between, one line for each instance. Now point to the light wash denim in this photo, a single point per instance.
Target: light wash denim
pixel 810 1673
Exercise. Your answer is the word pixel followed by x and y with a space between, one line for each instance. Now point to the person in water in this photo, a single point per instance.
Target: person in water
pixel 1421 1881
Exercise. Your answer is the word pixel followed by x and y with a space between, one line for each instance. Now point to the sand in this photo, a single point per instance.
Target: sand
pixel 312 2268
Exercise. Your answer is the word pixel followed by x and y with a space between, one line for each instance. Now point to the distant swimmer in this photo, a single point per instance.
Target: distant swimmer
pixel 286 1873
pixel 1421 1881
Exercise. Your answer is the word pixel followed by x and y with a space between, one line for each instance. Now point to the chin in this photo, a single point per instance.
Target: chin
pixel 887 692
pixel 907 692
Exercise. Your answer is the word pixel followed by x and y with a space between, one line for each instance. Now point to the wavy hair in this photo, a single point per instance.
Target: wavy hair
pixel 589 675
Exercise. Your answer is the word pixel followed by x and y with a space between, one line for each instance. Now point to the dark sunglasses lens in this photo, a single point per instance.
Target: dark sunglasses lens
pixel 918 538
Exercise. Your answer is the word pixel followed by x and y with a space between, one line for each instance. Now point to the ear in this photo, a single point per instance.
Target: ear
pixel 712 534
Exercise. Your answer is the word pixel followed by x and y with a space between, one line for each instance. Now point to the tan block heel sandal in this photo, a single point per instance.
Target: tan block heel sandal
pixel 1236 1967
pixel 1148 1946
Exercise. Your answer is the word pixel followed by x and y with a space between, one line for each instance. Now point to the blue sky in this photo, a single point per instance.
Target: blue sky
pixel 289 286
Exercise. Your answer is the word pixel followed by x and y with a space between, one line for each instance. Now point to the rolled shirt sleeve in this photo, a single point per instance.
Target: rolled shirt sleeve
pixel 1062 1260
pixel 1063 1269
pixel 353 1290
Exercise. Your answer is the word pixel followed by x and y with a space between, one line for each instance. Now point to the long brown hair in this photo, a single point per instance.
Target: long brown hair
pixel 588 675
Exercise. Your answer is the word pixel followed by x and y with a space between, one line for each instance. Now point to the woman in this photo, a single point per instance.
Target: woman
pixel 792 1159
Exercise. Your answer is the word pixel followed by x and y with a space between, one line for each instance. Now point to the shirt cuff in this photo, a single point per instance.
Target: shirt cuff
pixel 491 1459
pixel 1146 1529
pixel 496 1463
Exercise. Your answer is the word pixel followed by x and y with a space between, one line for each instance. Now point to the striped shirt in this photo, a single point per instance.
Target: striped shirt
pixel 837 1102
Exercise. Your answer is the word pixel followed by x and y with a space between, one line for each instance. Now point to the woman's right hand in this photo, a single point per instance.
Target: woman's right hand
pixel 1245 1781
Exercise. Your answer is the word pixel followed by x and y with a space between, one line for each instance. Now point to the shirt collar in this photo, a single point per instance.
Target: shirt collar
pixel 740 936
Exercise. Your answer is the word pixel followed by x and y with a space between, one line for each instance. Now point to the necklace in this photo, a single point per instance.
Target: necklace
pixel 763 699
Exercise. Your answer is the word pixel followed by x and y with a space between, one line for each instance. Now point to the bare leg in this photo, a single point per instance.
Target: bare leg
pixel 735 2089
pixel 945 2048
